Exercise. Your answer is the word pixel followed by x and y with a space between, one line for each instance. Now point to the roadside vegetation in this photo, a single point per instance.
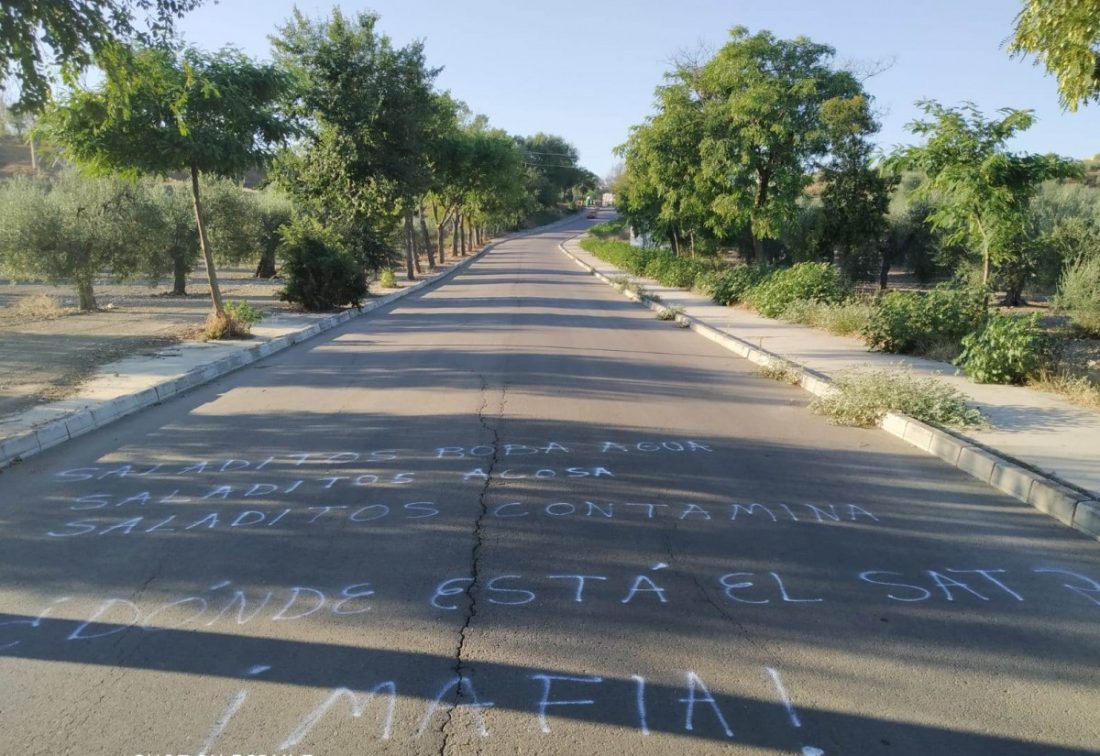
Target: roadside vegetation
pixel 755 183
pixel 338 163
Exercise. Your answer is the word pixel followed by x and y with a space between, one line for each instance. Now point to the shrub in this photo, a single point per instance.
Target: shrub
pixel 812 282
pixel 226 326
pixel 243 311
pixel 843 319
pixel 612 229
pixel 387 280
pixel 1007 350
pixel 733 285
pixel 672 271
pixel 863 398
pixel 319 274
pixel 915 323
pixel 1079 293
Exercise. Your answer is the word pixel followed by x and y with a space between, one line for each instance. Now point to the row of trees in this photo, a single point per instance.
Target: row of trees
pixel 765 147
pixel 350 127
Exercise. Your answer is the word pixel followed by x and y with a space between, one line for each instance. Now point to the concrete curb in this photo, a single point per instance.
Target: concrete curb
pixel 1071 506
pixel 18 447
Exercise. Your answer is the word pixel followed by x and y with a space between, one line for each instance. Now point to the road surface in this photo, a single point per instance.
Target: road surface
pixel 518 514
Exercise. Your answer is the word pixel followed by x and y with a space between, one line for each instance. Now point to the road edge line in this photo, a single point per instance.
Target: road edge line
pixel 1071 506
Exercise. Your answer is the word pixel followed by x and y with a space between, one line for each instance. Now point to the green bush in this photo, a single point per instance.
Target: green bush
pixel 811 282
pixel 387 280
pixel 915 323
pixel 243 312
pixel 863 397
pixel 733 285
pixel 673 271
pixel 319 274
pixel 1079 293
pixel 1007 350
pixel 612 229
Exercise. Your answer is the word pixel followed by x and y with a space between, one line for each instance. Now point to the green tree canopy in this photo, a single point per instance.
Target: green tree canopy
pixel 983 190
pixel 1064 36
pixel 371 115
pixel 71 35
pixel 763 103
pixel 195 112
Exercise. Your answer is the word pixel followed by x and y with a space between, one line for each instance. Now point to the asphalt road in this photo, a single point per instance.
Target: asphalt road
pixel 518 514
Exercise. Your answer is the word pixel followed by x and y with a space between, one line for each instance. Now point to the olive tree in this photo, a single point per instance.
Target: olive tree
pixel 194 112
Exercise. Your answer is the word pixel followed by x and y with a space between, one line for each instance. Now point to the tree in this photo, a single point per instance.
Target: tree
pixel 365 158
pixel 856 197
pixel 984 191
pixel 1064 36
pixel 36 35
pixel 762 102
pixel 195 112
pixel 663 193
pixel 74 228
pixel 552 167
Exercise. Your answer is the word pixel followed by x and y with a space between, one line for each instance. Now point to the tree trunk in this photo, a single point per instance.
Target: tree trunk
pixel 454 234
pixel 441 241
pixel 204 244
pixel 180 271
pixel 410 252
pixel 884 271
pixel 266 268
pixel 34 156
pixel 757 248
pixel 86 294
pixel 675 243
pixel 462 234
pixel 427 238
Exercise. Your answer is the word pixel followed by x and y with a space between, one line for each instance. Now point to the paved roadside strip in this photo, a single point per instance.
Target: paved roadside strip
pixel 1022 470
pixel 124 387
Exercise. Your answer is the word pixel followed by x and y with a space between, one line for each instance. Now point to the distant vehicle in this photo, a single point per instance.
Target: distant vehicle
pixel 590 212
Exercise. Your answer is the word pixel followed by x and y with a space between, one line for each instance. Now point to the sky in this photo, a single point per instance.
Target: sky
pixel 587 70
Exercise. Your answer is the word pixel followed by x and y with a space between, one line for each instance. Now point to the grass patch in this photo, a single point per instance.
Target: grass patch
pixel 843 319
pixel 35 308
pixel 1076 389
pixel 670 313
pixel 782 371
pixel 863 397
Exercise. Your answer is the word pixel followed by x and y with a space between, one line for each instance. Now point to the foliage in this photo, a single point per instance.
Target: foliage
pixel 243 312
pixel 863 398
pixel 733 285
pixel 37 35
pixel 764 105
pixel 196 112
pixel 812 282
pixel 74 228
pixel 225 325
pixel 370 114
pixel 842 319
pixel 612 229
pixel 320 274
pixel 907 322
pixel 1065 37
pixel 856 197
pixel 984 190
pixel 1079 293
pixel 1007 350
pixel 387 280
pixel 1066 222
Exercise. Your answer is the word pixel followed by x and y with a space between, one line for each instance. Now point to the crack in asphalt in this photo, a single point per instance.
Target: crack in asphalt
pixel 459 668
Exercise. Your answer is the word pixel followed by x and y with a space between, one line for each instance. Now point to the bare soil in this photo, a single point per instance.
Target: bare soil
pixel 45 357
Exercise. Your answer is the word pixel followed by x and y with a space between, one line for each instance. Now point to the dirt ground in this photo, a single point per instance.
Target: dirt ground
pixel 47 347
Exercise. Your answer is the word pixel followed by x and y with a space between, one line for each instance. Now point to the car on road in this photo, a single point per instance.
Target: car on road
pixel 590 213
